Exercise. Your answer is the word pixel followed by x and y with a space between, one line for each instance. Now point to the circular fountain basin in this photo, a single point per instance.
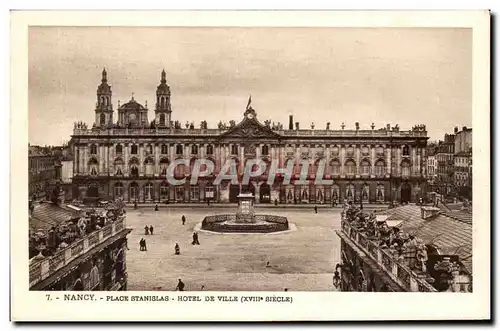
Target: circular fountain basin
pixel 260 224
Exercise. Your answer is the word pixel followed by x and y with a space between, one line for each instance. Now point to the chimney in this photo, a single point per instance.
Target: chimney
pixel 464 128
pixel 290 122
pixel 427 212
pixel 456 129
pixel 296 125
pixel 388 127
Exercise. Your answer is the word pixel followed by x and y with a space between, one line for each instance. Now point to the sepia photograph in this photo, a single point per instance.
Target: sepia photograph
pixel 250 159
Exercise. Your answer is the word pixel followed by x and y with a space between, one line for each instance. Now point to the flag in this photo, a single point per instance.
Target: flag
pixel 249 101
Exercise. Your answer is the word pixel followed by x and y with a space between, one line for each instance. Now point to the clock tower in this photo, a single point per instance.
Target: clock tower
pixel 104 108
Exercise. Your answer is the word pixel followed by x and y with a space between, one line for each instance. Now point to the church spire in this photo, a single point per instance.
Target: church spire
pixel 104 76
pixel 163 77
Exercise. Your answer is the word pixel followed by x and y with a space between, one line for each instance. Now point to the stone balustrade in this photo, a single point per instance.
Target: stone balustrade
pixel 42 269
pixel 217 132
pixel 397 270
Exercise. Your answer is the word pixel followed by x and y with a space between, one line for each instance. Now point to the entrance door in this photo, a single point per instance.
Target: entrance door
pixel 265 193
pixel 405 193
pixel 234 190
pixel 93 191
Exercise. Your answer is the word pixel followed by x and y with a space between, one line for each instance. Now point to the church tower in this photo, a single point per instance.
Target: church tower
pixel 162 109
pixel 104 108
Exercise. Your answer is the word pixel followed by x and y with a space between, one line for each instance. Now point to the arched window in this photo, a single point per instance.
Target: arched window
pixel 93 149
pixel 365 150
pixel 350 151
pixel 133 149
pixel 335 193
pixel 162 119
pixel 149 149
pixel 118 149
pixel 119 166
pixel 265 150
pixel 335 150
pixel 164 149
pixel 103 119
pixel 380 168
pixel 162 102
pixel 349 192
pixel 405 169
pixel 335 167
pixel 380 192
pixel 406 150
pixel 93 278
pixel 365 168
pixel 118 190
pixel 350 168
pixel 210 149
pixel 179 149
pixel 148 191
pixel 93 166
pixel 365 193
pixel 234 149
pixel 194 149
pixel 149 165
pixel 163 166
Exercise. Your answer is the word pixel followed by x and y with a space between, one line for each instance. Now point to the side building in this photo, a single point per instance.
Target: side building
pixel 129 157
pixel 406 249
pixel 77 249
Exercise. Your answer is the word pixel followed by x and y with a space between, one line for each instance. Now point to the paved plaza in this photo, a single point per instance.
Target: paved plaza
pixel 301 260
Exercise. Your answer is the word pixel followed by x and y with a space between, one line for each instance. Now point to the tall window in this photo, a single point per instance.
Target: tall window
pixel 335 193
pixel 194 193
pixel 380 168
pixel 148 191
pixel 365 168
pixel 134 171
pixel 380 192
pixel 93 166
pixel 234 149
pixel 179 149
pixel 365 192
pixel 133 149
pixel 133 193
pixel 194 149
pixel 406 150
pixel 164 191
pixel 210 149
pixel 265 150
pixel 163 167
pixel 365 150
pixel 119 149
pixel 93 149
pixel 103 119
pixel 179 193
pixel 405 169
pixel 164 149
pixel 350 168
pixel 162 119
pixel 149 149
pixel 349 194
pixel 149 164
pixel 118 190
pixel 119 166
pixel 335 150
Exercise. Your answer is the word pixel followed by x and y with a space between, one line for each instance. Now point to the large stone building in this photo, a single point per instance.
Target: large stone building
pixel 44 169
pixel 129 157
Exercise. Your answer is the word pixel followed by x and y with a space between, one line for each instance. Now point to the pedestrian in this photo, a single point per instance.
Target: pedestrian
pixel 144 245
pixel 135 205
pixel 315 209
pixel 183 219
pixel 208 202
pixel 195 239
pixel 180 286
pixel 146 230
pixel 141 244
pixel 177 249
pixel 156 207
pixel 151 229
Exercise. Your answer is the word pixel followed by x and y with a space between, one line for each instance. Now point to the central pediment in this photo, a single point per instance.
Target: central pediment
pixel 250 128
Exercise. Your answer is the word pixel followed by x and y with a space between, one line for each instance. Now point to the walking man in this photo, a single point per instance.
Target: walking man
pixel 156 207
pixel 183 219
pixel 195 239
pixel 315 209
pixel 177 249
pixel 180 286
pixel 151 229
pixel 146 230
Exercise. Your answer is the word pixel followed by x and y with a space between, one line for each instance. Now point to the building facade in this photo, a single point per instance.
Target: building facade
pixel 129 158
pixel 445 164
pixel 44 169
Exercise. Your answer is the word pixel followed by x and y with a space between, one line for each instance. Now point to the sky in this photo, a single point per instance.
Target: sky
pixel 380 75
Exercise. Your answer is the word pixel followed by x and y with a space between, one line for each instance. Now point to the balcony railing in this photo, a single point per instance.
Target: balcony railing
pixel 398 271
pixel 217 132
pixel 43 269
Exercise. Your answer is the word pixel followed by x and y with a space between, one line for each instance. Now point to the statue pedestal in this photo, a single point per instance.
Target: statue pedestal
pixel 245 213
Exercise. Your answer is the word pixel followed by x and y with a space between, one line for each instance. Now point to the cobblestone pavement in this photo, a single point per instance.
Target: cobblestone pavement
pixel 301 260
